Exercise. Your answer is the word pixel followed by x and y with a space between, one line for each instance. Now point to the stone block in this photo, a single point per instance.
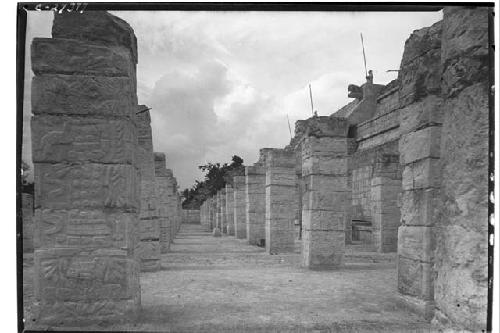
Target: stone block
pixel 325 165
pixel 82 95
pixel 85 229
pixel 415 278
pixel 74 57
pixel 323 249
pixel 416 243
pixel 324 220
pixel 330 183
pixel 98 27
pixel 417 206
pixel 61 186
pixel 65 275
pixel 421 144
pixel 422 174
pixel 425 112
pixel 83 139
pixel 280 177
pixel 465 48
pixel 335 201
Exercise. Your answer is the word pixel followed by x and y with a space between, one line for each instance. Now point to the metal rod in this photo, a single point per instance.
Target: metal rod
pixel 311 96
pixel 364 56
pixel 289 128
pixel 147 109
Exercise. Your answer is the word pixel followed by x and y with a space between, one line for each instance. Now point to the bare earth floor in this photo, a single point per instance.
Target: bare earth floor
pixel 223 284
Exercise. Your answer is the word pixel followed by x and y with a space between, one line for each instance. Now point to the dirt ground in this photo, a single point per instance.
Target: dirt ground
pixel 210 284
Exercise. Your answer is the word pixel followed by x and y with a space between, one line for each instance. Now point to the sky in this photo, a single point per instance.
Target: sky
pixel 227 83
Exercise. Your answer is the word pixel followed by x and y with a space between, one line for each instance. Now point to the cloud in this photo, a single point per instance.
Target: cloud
pixel 223 83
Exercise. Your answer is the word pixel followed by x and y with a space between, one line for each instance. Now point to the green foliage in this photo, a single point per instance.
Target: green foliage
pixel 216 178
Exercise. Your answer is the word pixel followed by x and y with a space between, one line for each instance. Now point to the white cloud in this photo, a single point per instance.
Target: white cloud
pixel 223 83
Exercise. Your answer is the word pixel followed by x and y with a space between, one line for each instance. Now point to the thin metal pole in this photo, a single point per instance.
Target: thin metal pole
pixel 364 56
pixel 311 96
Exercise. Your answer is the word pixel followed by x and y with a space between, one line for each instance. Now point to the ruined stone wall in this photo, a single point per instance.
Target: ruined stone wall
pixel 149 248
pixel 28 225
pixel 87 188
pixel 461 227
pixel 191 216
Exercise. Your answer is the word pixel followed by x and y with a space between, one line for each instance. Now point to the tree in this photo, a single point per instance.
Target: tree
pixel 216 178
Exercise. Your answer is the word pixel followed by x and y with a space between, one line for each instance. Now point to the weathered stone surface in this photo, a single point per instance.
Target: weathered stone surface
pixel 191 216
pixel 420 114
pixel 82 95
pixel 281 201
pixel 69 56
pixel 230 210
pixel 415 278
pixel 421 144
pixel 240 222
pixel 323 249
pixel 417 206
pixel 255 203
pixel 61 186
pixel 420 68
pixel 424 173
pixel 461 262
pixel 98 27
pixel 80 139
pixel 465 51
pixel 416 242
pixel 77 228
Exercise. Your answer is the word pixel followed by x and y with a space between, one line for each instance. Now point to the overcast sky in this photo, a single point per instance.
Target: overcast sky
pixel 223 83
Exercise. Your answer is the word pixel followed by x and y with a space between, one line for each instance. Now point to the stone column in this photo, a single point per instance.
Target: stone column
pixel 223 215
pixel 218 218
pixel 386 214
pixel 213 210
pixel 149 227
pixel 163 189
pixel 255 203
pixel 172 206
pixel 461 255
pixel 230 209
pixel 419 148
pixel 86 179
pixel 281 201
pixel 240 219
pixel 325 172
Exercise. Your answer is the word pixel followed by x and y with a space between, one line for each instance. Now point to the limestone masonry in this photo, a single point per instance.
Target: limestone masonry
pixel 401 170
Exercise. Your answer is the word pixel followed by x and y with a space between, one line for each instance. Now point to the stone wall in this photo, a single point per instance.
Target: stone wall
pixel 27 211
pixel 87 188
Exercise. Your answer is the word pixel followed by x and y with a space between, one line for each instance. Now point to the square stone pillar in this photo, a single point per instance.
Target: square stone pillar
pixel 325 164
pixel 240 218
pixel 385 210
pixel 164 192
pixel 230 209
pixel 281 201
pixel 223 215
pixel 218 211
pixel 86 179
pixel 255 203
pixel 149 248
